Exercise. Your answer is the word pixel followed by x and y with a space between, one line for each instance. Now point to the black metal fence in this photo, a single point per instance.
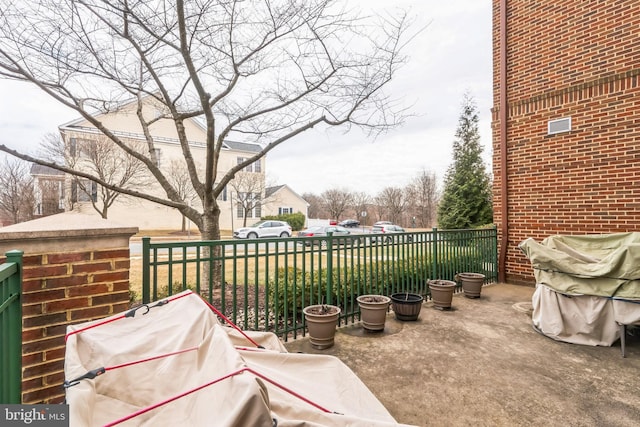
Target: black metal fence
pixel 264 284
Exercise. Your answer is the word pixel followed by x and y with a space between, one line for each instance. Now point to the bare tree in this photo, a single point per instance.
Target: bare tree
pixel 316 208
pixel 361 203
pixel 181 181
pixel 97 157
pixel 336 202
pixel 16 190
pixel 50 196
pixel 422 198
pixel 252 71
pixel 393 201
pixel 248 191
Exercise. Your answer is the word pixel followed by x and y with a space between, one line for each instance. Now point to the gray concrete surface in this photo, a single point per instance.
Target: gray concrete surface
pixel 482 364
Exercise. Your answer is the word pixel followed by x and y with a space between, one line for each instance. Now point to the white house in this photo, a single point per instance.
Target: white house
pixel 147 215
pixel 281 199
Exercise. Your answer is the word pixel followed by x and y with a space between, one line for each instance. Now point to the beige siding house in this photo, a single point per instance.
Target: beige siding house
pixel 147 215
pixel 281 199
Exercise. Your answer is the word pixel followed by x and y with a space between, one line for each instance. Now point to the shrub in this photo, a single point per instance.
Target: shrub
pixel 295 220
pixel 292 290
pixel 176 288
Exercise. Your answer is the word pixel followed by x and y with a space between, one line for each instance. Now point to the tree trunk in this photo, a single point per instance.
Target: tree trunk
pixel 210 230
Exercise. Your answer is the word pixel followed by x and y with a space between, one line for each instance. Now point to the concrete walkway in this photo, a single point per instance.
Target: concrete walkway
pixel 482 364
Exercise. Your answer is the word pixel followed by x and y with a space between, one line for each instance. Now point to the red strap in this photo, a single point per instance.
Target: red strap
pixel 149 359
pixel 186 393
pixel 215 310
pixel 121 316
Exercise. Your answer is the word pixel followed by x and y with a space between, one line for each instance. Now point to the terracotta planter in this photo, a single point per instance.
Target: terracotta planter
pixel 406 306
pixel 471 284
pixel 373 311
pixel 321 320
pixel 442 293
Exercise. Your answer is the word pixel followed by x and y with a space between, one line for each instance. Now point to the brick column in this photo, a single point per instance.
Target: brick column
pixel 71 274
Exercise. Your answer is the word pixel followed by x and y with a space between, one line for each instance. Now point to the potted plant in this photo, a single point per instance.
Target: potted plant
pixel 373 311
pixel 322 320
pixel 406 305
pixel 471 284
pixel 441 293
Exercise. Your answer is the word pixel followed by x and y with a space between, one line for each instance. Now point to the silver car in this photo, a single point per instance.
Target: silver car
pixel 322 230
pixel 268 228
pixel 388 229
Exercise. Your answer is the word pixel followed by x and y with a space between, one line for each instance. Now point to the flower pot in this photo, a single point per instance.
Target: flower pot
pixel 373 311
pixel 321 320
pixel 441 293
pixel 406 306
pixel 471 284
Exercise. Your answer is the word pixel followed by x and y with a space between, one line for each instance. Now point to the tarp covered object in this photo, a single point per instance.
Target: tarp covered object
pixel 194 371
pixel 605 265
pixel 585 286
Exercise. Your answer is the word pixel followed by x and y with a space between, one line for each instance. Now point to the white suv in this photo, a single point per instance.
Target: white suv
pixel 267 228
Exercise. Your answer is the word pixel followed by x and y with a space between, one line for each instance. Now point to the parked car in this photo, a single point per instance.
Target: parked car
pixel 323 230
pixel 388 229
pixel 268 228
pixel 382 223
pixel 349 223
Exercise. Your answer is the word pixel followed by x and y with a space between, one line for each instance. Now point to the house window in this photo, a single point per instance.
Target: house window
pixel 79 193
pixel 253 201
pixel 223 194
pixel 81 147
pixel 253 167
pixel 240 160
pixel 284 211
pixel 158 155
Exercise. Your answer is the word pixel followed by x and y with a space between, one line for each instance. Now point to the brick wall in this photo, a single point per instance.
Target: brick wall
pixel 578 59
pixel 69 276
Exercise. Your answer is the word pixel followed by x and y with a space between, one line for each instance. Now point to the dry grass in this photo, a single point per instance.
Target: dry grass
pixel 242 271
pixel 255 269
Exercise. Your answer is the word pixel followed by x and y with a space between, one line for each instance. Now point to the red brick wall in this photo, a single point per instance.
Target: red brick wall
pixel 61 289
pixel 578 59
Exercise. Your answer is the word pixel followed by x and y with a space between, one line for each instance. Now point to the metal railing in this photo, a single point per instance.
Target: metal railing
pixel 11 328
pixel 264 284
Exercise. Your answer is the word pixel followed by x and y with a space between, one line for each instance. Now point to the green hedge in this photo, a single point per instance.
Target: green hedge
pixel 295 220
pixel 292 290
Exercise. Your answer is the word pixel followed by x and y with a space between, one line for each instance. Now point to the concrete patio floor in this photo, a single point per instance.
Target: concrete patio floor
pixel 482 364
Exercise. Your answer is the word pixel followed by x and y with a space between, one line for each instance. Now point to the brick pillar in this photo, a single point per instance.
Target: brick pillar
pixel 70 275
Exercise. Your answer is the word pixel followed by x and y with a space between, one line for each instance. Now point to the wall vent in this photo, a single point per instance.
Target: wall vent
pixel 559 126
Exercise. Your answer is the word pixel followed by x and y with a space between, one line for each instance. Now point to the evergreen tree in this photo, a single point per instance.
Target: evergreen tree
pixel 466 199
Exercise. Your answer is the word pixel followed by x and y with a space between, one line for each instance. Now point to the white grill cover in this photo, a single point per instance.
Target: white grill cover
pixel 247 399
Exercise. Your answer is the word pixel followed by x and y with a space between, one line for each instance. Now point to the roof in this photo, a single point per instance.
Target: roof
pixel 37 169
pixel 243 146
pixel 269 191
pixel 232 145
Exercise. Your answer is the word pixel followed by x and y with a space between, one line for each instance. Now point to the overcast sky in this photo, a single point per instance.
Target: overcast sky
pixel 451 56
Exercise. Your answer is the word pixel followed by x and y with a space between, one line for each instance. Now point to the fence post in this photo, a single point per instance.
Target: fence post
pixel 495 253
pixel 13 340
pixel 434 263
pixel 329 268
pixel 146 273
